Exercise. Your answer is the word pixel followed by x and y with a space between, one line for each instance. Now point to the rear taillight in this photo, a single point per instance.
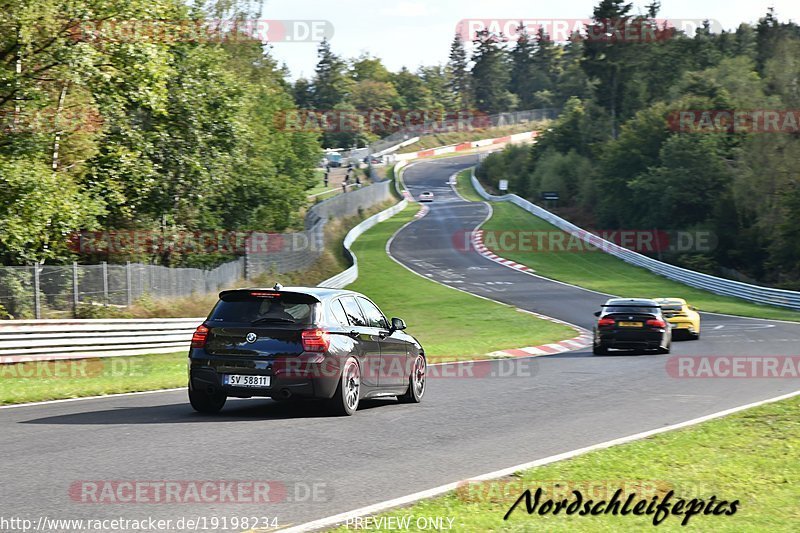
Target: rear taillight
pixel 606 322
pixel 656 323
pixel 316 340
pixel 199 336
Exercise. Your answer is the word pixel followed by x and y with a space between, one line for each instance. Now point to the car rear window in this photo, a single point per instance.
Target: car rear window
pixel 631 309
pixel 281 309
pixel 671 307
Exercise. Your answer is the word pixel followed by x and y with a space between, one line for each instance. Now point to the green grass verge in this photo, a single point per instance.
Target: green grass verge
pixel 450 324
pixel 55 380
pixel 749 456
pixel 602 272
pixel 442 318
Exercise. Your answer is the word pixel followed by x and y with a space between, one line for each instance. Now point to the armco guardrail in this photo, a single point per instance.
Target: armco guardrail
pixel 47 340
pixel 30 291
pixel 351 274
pixel 726 287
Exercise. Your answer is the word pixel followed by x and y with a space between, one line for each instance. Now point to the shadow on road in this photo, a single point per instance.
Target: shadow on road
pixel 176 413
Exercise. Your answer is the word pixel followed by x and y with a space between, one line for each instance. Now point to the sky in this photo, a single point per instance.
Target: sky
pixel 412 33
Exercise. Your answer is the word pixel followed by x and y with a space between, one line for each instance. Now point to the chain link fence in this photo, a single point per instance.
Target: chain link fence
pixel 279 253
pixel 35 291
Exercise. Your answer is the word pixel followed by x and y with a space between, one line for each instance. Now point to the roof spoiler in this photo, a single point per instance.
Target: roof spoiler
pixel 630 305
pixel 300 297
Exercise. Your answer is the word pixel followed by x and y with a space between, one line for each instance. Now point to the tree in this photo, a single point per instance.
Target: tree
pixel 490 75
pixel 331 84
pixel 302 92
pixel 458 73
pixel 412 92
pixel 604 57
pixel 523 81
pixel 437 79
pixel 371 68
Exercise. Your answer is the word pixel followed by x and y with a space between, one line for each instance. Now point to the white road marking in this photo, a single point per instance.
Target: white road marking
pixel 331 521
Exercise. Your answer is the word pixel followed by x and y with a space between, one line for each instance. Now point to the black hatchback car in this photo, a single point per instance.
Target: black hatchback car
pixel 299 342
pixel 631 324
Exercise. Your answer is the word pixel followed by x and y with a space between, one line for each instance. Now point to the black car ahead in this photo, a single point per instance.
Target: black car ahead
pixel 631 324
pixel 299 342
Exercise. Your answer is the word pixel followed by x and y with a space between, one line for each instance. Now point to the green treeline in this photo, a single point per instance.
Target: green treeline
pixel 104 128
pixel 620 156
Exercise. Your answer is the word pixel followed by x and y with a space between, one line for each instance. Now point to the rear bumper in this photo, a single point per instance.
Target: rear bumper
pixel 651 339
pixel 295 377
pixel 684 326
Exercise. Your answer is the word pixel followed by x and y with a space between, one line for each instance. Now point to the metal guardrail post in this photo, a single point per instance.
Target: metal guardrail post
pixel 105 283
pixel 75 293
pixel 37 308
pixel 128 288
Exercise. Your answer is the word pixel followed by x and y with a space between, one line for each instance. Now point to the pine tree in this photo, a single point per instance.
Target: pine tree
pixel 523 72
pixel 458 73
pixel 603 57
pixel 490 75
pixel 331 83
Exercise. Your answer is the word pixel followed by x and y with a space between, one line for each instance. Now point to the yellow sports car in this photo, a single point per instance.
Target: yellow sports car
pixel 683 317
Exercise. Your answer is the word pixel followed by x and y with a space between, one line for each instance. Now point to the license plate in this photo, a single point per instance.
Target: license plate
pixel 630 324
pixel 237 380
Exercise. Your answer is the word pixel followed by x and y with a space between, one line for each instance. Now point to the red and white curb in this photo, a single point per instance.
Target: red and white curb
pixel 477 244
pixel 524 137
pixel 423 208
pixel 582 341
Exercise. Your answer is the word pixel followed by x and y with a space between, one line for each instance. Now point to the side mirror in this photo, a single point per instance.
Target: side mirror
pixel 597 313
pixel 398 324
pixel 693 308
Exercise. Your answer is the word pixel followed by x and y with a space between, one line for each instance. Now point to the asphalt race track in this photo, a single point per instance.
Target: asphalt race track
pixel 464 427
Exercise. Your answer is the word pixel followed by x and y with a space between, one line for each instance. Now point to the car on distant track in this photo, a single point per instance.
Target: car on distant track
pixel 631 324
pixel 334 160
pixel 683 317
pixel 301 342
pixel 426 196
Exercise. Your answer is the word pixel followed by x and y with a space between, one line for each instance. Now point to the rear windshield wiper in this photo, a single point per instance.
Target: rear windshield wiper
pixel 273 319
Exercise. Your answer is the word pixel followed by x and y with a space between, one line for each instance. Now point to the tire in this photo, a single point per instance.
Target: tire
pixel 348 393
pixel 695 336
pixel 599 350
pixel 416 381
pixel 203 402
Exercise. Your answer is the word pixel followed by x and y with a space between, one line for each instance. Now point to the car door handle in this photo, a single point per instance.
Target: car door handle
pixel 353 333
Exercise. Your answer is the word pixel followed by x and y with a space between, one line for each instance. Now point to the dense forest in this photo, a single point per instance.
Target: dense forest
pixel 164 117
pixel 620 159
pixel 115 115
pixel 106 128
